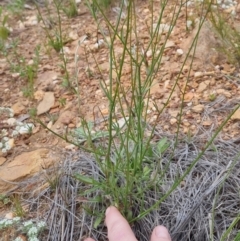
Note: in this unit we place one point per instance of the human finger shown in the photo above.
(89, 239)
(160, 233)
(118, 227)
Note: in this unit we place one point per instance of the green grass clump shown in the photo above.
(128, 159)
(227, 31)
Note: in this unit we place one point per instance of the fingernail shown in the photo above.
(107, 211)
(161, 232)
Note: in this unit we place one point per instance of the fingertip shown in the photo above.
(111, 209)
(117, 225)
(89, 239)
(160, 233)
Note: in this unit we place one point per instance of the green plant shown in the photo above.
(228, 32)
(4, 32)
(18, 208)
(29, 72)
(71, 9)
(94, 5)
(56, 38)
(16, 7)
(86, 133)
(62, 102)
(52, 117)
(31, 229)
(33, 112)
(129, 159)
(5, 199)
(212, 97)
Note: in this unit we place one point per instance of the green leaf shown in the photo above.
(98, 221)
(4, 32)
(84, 179)
(237, 238)
(162, 145)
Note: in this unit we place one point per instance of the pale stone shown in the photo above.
(11, 121)
(198, 108)
(18, 108)
(169, 44)
(179, 52)
(122, 122)
(236, 115)
(46, 104)
(173, 121)
(186, 123)
(149, 53)
(70, 147)
(9, 215)
(203, 86)
(207, 123)
(173, 113)
(198, 74)
(227, 94)
(73, 35)
(104, 111)
(65, 118)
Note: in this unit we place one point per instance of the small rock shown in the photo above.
(9, 215)
(198, 74)
(70, 147)
(15, 75)
(18, 108)
(49, 125)
(65, 118)
(11, 121)
(227, 94)
(166, 127)
(220, 91)
(98, 93)
(188, 97)
(198, 108)
(207, 123)
(169, 44)
(149, 53)
(9, 144)
(203, 86)
(179, 52)
(186, 123)
(236, 115)
(47, 102)
(32, 20)
(30, 62)
(189, 23)
(173, 113)
(71, 125)
(104, 111)
(173, 121)
(121, 122)
(73, 35)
